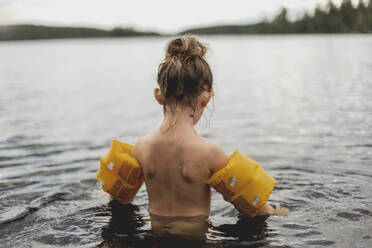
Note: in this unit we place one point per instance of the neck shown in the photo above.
(181, 117)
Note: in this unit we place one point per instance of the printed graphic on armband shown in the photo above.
(124, 193)
(133, 177)
(124, 171)
(226, 192)
(115, 188)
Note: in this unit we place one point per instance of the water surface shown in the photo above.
(299, 105)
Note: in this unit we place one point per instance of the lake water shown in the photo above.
(299, 105)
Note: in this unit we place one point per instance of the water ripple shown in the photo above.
(304, 115)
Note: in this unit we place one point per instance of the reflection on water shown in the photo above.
(123, 226)
(125, 230)
(300, 105)
(247, 229)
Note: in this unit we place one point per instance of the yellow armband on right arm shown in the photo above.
(120, 173)
(244, 183)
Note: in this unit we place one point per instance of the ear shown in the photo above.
(158, 96)
(205, 97)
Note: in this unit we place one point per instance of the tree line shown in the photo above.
(345, 18)
(29, 32)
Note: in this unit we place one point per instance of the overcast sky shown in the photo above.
(158, 15)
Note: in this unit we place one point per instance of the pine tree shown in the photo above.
(334, 19)
(320, 20)
(362, 18)
(361, 7)
(282, 16)
(348, 15)
(332, 9)
(281, 21)
(369, 16)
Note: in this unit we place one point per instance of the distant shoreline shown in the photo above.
(19, 34)
(345, 19)
(35, 32)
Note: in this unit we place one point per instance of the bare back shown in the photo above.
(176, 166)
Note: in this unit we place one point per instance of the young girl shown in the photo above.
(176, 161)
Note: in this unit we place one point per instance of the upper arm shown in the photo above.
(137, 149)
(218, 158)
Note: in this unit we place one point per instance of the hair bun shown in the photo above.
(187, 46)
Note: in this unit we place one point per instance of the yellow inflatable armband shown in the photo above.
(244, 183)
(120, 173)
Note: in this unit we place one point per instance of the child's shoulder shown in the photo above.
(215, 155)
(211, 147)
(138, 147)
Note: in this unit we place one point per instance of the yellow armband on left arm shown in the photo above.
(120, 173)
(244, 183)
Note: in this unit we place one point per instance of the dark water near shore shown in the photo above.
(299, 105)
